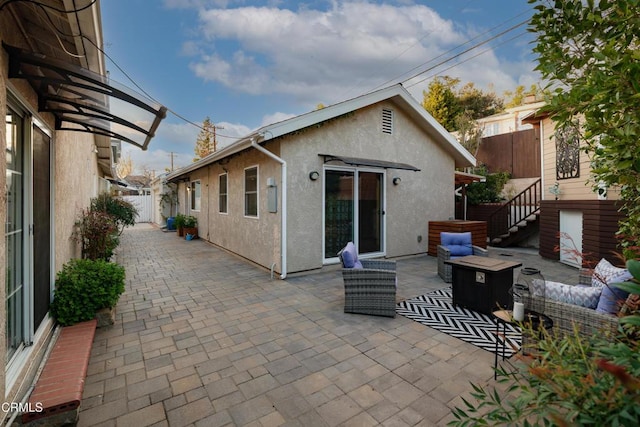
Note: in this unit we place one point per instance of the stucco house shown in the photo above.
(374, 169)
(60, 118)
(573, 216)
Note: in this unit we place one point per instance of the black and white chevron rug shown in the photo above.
(436, 310)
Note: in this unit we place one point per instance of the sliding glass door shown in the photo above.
(353, 210)
(28, 230)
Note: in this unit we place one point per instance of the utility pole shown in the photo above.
(172, 155)
(215, 141)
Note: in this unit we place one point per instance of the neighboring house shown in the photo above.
(374, 169)
(573, 216)
(510, 120)
(58, 155)
(137, 185)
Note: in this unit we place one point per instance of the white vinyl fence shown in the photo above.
(143, 204)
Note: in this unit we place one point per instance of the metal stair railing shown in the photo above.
(515, 211)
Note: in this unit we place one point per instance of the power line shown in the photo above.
(56, 29)
(489, 31)
(466, 60)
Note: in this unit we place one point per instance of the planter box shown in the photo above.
(192, 231)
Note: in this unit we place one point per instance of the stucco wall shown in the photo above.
(76, 182)
(257, 239)
(421, 196)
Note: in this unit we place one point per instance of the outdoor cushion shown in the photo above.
(583, 296)
(605, 274)
(349, 255)
(611, 300)
(459, 244)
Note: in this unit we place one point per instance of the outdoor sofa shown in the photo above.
(591, 306)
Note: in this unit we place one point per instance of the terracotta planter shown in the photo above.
(192, 231)
(180, 231)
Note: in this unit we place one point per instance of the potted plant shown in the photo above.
(169, 198)
(191, 227)
(86, 288)
(179, 223)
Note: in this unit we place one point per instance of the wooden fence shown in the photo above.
(517, 153)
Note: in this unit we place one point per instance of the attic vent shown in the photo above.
(387, 121)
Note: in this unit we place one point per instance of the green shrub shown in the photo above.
(190, 221)
(84, 286)
(180, 220)
(122, 211)
(488, 191)
(97, 232)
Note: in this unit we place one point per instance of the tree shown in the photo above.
(441, 102)
(477, 104)
(446, 103)
(124, 167)
(469, 132)
(206, 142)
(589, 51)
(519, 96)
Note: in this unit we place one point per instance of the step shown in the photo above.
(58, 390)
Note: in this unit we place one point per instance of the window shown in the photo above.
(196, 195)
(387, 121)
(251, 191)
(222, 197)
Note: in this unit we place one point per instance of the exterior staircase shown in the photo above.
(517, 219)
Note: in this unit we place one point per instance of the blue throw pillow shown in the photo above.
(611, 300)
(459, 244)
(349, 255)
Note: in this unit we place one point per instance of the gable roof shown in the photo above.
(396, 93)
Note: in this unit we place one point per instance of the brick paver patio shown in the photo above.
(204, 338)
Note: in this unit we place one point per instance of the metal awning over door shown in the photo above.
(355, 161)
(84, 101)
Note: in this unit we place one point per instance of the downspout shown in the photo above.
(283, 215)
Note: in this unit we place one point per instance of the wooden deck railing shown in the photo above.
(511, 213)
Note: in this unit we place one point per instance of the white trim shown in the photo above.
(244, 192)
(191, 191)
(356, 196)
(226, 174)
(283, 217)
(16, 366)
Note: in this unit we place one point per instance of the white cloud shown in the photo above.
(275, 118)
(314, 55)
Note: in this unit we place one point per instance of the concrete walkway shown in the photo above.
(204, 338)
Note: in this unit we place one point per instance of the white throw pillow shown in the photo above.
(606, 273)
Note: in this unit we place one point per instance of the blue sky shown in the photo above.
(249, 63)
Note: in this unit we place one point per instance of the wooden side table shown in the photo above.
(481, 284)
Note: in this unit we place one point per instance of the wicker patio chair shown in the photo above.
(369, 285)
(455, 245)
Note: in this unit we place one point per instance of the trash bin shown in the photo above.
(171, 223)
